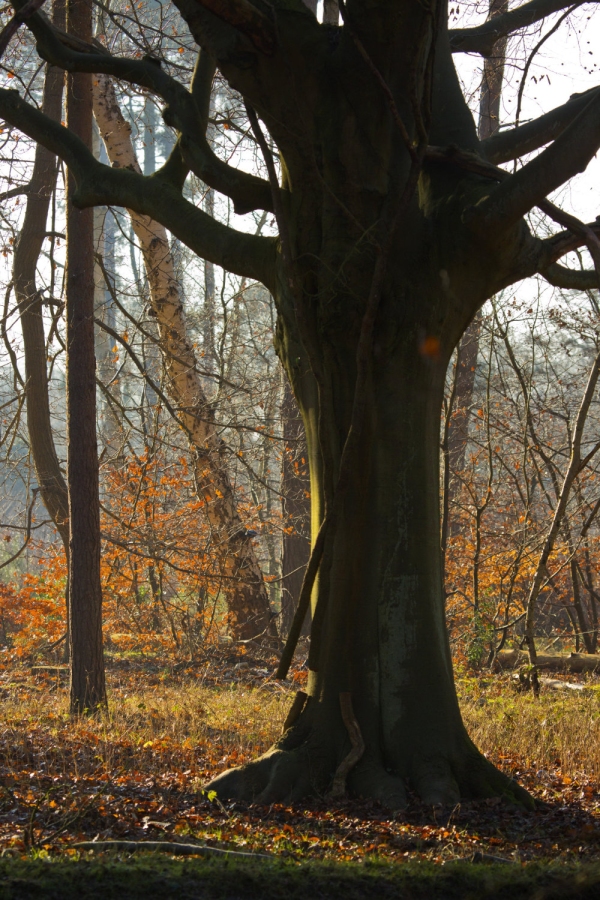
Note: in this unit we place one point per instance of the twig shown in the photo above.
(140, 366)
(27, 534)
(338, 788)
(15, 23)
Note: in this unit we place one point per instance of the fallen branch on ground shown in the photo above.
(167, 847)
(573, 662)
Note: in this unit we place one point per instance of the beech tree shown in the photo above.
(395, 225)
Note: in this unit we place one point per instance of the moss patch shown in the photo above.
(152, 878)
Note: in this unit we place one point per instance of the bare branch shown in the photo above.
(20, 16)
(28, 529)
(564, 242)
(482, 38)
(15, 192)
(570, 279)
(140, 366)
(569, 154)
(248, 192)
(99, 185)
(506, 145)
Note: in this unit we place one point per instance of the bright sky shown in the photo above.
(567, 63)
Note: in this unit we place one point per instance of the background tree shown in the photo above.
(88, 690)
(48, 472)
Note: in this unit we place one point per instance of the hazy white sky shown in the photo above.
(567, 63)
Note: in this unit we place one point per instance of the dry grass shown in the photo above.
(151, 722)
(136, 771)
(560, 730)
(155, 722)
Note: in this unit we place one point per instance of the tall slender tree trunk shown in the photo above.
(104, 250)
(247, 598)
(53, 488)
(468, 349)
(88, 690)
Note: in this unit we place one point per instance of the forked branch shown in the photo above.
(567, 156)
(182, 112)
(516, 142)
(482, 38)
(97, 184)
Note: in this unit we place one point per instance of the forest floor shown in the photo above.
(136, 774)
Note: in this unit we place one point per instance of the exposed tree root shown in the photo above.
(370, 779)
(300, 765)
(338, 789)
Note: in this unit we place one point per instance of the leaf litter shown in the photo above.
(137, 775)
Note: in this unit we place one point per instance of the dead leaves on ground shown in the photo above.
(62, 782)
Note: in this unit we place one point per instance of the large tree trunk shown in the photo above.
(377, 282)
(53, 488)
(386, 250)
(244, 587)
(88, 690)
(382, 636)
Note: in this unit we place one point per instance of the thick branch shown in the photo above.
(248, 192)
(551, 249)
(564, 242)
(571, 279)
(17, 20)
(99, 185)
(506, 145)
(567, 156)
(245, 17)
(482, 38)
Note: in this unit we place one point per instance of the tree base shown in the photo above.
(294, 769)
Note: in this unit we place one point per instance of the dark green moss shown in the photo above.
(151, 878)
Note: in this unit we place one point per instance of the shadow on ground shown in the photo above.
(151, 878)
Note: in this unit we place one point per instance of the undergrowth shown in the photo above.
(137, 772)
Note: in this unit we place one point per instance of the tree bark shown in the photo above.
(87, 691)
(247, 599)
(53, 488)
(381, 636)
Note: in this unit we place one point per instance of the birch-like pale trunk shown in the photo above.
(247, 598)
